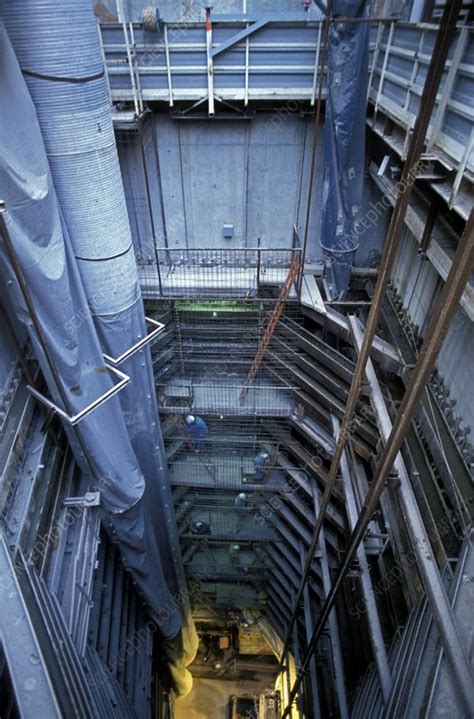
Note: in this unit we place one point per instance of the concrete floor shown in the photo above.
(209, 698)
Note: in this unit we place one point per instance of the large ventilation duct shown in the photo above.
(344, 143)
(58, 50)
(44, 252)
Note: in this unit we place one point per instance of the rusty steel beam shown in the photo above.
(433, 78)
(463, 264)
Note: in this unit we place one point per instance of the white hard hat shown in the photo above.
(190, 419)
(242, 495)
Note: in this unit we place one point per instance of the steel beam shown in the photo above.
(385, 354)
(334, 634)
(26, 665)
(443, 312)
(435, 72)
(426, 560)
(309, 628)
(246, 32)
(297, 656)
(375, 629)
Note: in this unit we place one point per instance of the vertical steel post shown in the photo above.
(334, 635)
(210, 65)
(297, 656)
(121, 15)
(375, 629)
(309, 627)
(168, 66)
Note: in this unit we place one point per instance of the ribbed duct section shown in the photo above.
(58, 49)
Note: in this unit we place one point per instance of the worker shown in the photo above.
(261, 464)
(200, 528)
(240, 506)
(197, 430)
(234, 554)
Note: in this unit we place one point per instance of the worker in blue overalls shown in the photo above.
(261, 464)
(197, 430)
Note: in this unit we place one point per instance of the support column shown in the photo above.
(210, 63)
(335, 637)
(375, 630)
(309, 627)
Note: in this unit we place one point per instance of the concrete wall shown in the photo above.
(253, 174)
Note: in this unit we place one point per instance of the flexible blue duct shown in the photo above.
(344, 143)
(58, 50)
(44, 251)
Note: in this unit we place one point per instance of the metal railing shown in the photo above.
(175, 63)
(216, 273)
(223, 399)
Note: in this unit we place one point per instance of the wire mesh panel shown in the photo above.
(232, 515)
(223, 397)
(214, 273)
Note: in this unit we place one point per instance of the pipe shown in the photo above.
(316, 130)
(344, 141)
(40, 275)
(375, 628)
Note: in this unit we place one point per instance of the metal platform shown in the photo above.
(276, 57)
(222, 397)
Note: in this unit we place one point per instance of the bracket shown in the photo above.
(116, 361)
(234, 39)
(74, 419)
(90, 499)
